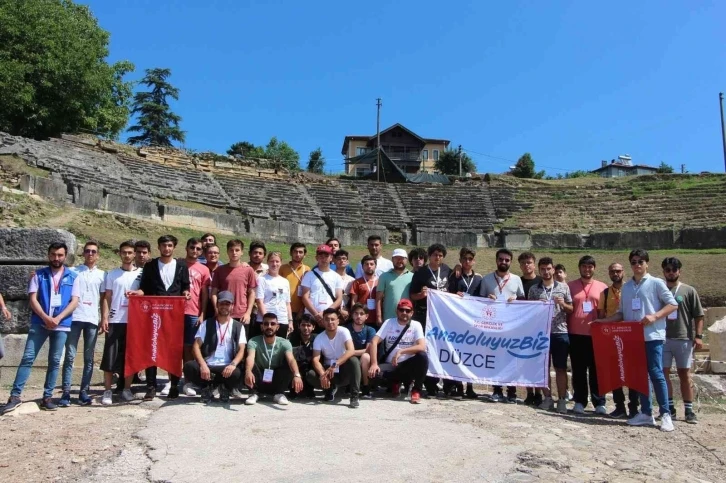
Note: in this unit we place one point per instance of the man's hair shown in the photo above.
(127, 243)
(671, 262)
(258, 244)
(331, 310)
(167, 239)
(142, 244)
(436, 247)
(466, 251)
(91, 243)
(374, 238)
(210, 245)
(193, 241)
(418, 252)
(341, 253)
(333, 239)
(306, 319)
(544, 261)
(587, 260)
(639, 252)
(206, 235)
(559, 266)
(269, 315)
(57, 246)
(504, 251)
(358, 306)
(236, 243)
(367, 258)
(297, 245)
(526, 256)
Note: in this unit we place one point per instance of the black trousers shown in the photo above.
(584, 373)
(193, 374)
(348, 374)
(412, 369)
(281, 379)
(151, 377)
(633, 399)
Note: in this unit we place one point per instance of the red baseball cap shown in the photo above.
(324, 249)
(405, 303)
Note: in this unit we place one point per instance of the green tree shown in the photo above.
(664, 168)
(525, 168)
(316, 161)
(448, 163)
(246, 149)
(54, 76)
(281, 154)
(157, 125)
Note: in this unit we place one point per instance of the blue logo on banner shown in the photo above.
(526, 347)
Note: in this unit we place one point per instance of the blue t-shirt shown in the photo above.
(360, 339)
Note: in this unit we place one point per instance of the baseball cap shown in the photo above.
(324, 249)
(404, 303)
(225, 296)
(400, 252)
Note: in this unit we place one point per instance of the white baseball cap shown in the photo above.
(400, 252)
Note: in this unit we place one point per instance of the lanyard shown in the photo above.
(586, 289)
(637, 286)
(437, 277)
(56, 286)
(501, 285)
(616, 295)
(370, 289)
(221, 334)
(676, 292)
(468, 285)
(548, 293)
(294, 271)
(270, 352)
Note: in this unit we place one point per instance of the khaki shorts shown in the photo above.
(680, 350)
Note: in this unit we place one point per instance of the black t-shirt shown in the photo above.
(465, 283)
(303, 352)
(527, 284)
(425, 277)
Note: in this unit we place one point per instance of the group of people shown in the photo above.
(286, 329)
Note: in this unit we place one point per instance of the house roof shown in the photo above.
(624, 166)
(392, 173)
(347, 139)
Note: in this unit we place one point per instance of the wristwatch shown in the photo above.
(699, 336)
(297, 374)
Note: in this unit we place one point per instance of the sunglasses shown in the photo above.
(637, 262)
(405, 311)
(196, 249)
(90, 252)
(670, 270)
(268, 324)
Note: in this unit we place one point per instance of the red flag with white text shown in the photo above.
(155, 334)
(620, 356)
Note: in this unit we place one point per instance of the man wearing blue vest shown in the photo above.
(54, 295)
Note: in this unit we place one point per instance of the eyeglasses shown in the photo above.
(637, 262)
(670, 270)
(212, 253)
(405, 311)
(196, 249)
(504, 260)
(268, 324)
(616, 271)
(90, 252)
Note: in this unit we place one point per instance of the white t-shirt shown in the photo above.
(382, 266)
(331, 350)
(91, 283)
(167, 272)
(119, 281)
(318, 295)
(391, 329)
(275, 294)
(224, 353)
(347, 283)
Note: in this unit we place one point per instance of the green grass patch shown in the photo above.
(17, 165)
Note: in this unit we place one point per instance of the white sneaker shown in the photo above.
(666, 423)
(189, 390)
(127, 395)
(252, 399)
(601, 410)
(578, 409)
(562, 406)
(568, 396)
(167, 387)
(142, 376)
(280, 399)
(107, 398)
(548, 404)
(236, 394)
(215, 392)
(641, 419)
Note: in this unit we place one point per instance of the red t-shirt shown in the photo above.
(199, 279)
(582, 293)
(236, 280)
(365, 291)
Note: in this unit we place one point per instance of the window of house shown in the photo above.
(425, 154)
(436, 154)
(360, 150)
(362, 171)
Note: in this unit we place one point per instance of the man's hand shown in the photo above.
(245, 319)
(394, 361)
(698, 344)
(319, 319)
(343, 314)
(133, 293)
(297, 383)
(492, 296)
(324, 381)
(104, 326)
(204, 372)
(460, 294)
(199, 319)
(559, 301)
(373, 370)
(648, 319)
(228, 371)
(187, 295)
(289, 328)
(7, 314)
(249, 379)
(512, 298)
(425, 292)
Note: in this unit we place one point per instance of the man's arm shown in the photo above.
(249, 364)
(185, 284)
(250, 304)
(105, 309)
(373, 348)
(297, 382)
(68, 310)
(197, 353)
(317, 366)
(215, 291)
(235, 362)
(349, 352)
(203, 301)
(338, 299)
(35, 307)
(379, 306)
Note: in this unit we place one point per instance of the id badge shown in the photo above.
(371, 304)
(221, 352)
(587, 307)
(673, 315)
(337, 368)
(636, 304)
(267, 375)
(55, 300)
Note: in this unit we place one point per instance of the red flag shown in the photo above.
(620, 356)
(155, 334)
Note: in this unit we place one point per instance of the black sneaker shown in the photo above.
(13, 403)
(47, 404)
(529, 400)
(365, 392)
(354, 402)
(330, 394)
(538, 399)
(223, 394)
(174, 392)
(310, 393)
(470, 394)
(84, 399)
(458, 393)
(691, 417)
(672, 410)
(150, 394)
(618, 413)
(511, 399)
(207, 395)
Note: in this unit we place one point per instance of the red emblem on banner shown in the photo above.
(620, 356)
(155, 335)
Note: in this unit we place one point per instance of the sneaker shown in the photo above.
(529, 400)
(415, 397)
(206, 395)
(141, 375)
(281, 399)
(189, 390)
(578, 409)
(166, 389)
(365, 392)
(496, 397)
(13, 403)
(127, 395)
(47, 404)
(641, 419)
(396, 389)
(568, 396)
(547, 405)
(470, 394)
(601, 410)
(672, 410)
(354, 402)
(511, 399)
(251, 399)
(667, 423)
(223, 394)
(65, 400)
(538, 399)
(236, 393)
(84, 399)
(309, 393)
(562, 406)
(458, 393)
(618, 413)
(150, 394)
(174, 392)
(330, 394)
(691, 417)
(107, 398)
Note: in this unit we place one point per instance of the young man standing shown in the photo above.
(240, 279)
(341, 267)
(258, 252)
(54, 295)
(551, 290)
(85, 321)
(684, 331)
(207, 239)
(322, 288)
(648, 299)
(503, 286)
(294, 271)
(196, 305)
(418, 259)
(142, 253)
(211, 253)
(528, 266)
(393, 286)
(560, 273)
(363, 290)
(374, 249)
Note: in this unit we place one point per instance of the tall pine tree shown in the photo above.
(156, 124)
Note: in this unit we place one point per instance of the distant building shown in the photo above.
(409, 151)
(623, 166)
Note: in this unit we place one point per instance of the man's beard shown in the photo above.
(503, 268)
(672, 278)
(56, 264)
(270, 332)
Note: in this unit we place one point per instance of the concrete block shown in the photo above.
(30, 245)
(286, 231)
(130, 206)
(350, 234)
(717, 345)
(14, 280)
(517, 240)
(453, 239)
(703, 237)
(89, 198)
(20, 317)
(51, 188)
(557, 240)
(649, 240)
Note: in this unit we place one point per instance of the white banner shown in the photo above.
(475, 339)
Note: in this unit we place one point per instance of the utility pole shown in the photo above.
(378, 138)
(460, 171)
(723, 129)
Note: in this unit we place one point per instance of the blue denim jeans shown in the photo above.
(90, 333)
(654, 357)
(37, 336)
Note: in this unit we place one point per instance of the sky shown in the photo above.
(571, 82)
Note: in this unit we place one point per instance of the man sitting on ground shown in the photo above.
(270, 366)
(302, 349)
